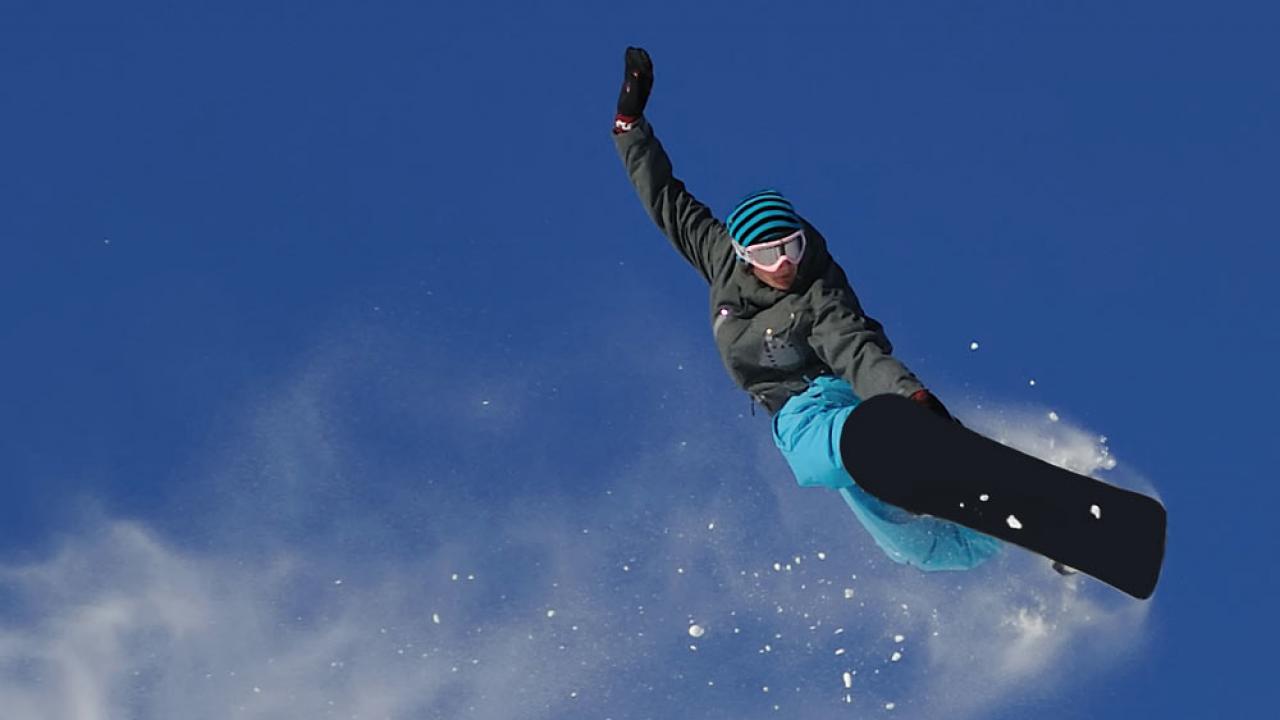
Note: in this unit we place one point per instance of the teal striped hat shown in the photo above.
(762, 216)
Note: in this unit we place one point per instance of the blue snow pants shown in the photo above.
(807, 431)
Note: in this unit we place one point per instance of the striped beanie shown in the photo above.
(761, 217)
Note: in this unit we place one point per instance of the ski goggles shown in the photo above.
(770, 256)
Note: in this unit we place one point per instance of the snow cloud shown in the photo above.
(364, 549)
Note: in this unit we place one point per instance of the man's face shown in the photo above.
(779, 279)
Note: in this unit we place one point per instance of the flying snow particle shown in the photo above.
(984, 497)
(848, 593)
(711, 526)
(848, 680)
(898, 638)
(696, 631)
(839, 651)
(1096, 512)
(895, 657)
(973, 345)
(889, 706)
(1014, 523)
(777, 567)
(435, 618)
(1032, 383)
(1053, 416)
(822, 556)
(551, 613)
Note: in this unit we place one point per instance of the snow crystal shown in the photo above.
(898, 638)
(889, 706)
(1032, 383)
(435, 618)
(848, 680)
(711, 526)
(696, 631)
(973, 345)
(822, 556)
(337, 582)
(848, 593)
(551, 613)
(1014, 523)
(984, 497)
(839, 651)
(895, 657)
(1096, 512)
(1053, 416)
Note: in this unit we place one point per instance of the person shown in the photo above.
(790, 331)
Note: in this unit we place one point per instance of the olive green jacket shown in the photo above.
(772, 342)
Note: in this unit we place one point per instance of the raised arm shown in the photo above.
(687, 223)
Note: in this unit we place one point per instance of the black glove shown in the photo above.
(930, 401)
(636, 84)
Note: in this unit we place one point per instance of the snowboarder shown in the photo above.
(790, 331)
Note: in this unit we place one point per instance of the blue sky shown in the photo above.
(344, 375)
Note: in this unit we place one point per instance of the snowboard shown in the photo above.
(907, 456)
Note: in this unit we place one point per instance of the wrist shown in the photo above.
(623, 123)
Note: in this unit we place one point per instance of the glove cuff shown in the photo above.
(623, 123)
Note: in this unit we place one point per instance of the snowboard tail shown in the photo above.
(907, 456)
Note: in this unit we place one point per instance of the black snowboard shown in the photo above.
(909, 457)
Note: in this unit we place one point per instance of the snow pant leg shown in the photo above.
(807, 431)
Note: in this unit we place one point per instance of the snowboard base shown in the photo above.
(907, 456)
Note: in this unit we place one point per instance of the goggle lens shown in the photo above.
(769, 256)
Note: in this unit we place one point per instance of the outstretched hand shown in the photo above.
(636, 84)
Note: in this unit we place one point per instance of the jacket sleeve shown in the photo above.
(687, 223)
(856, 348)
